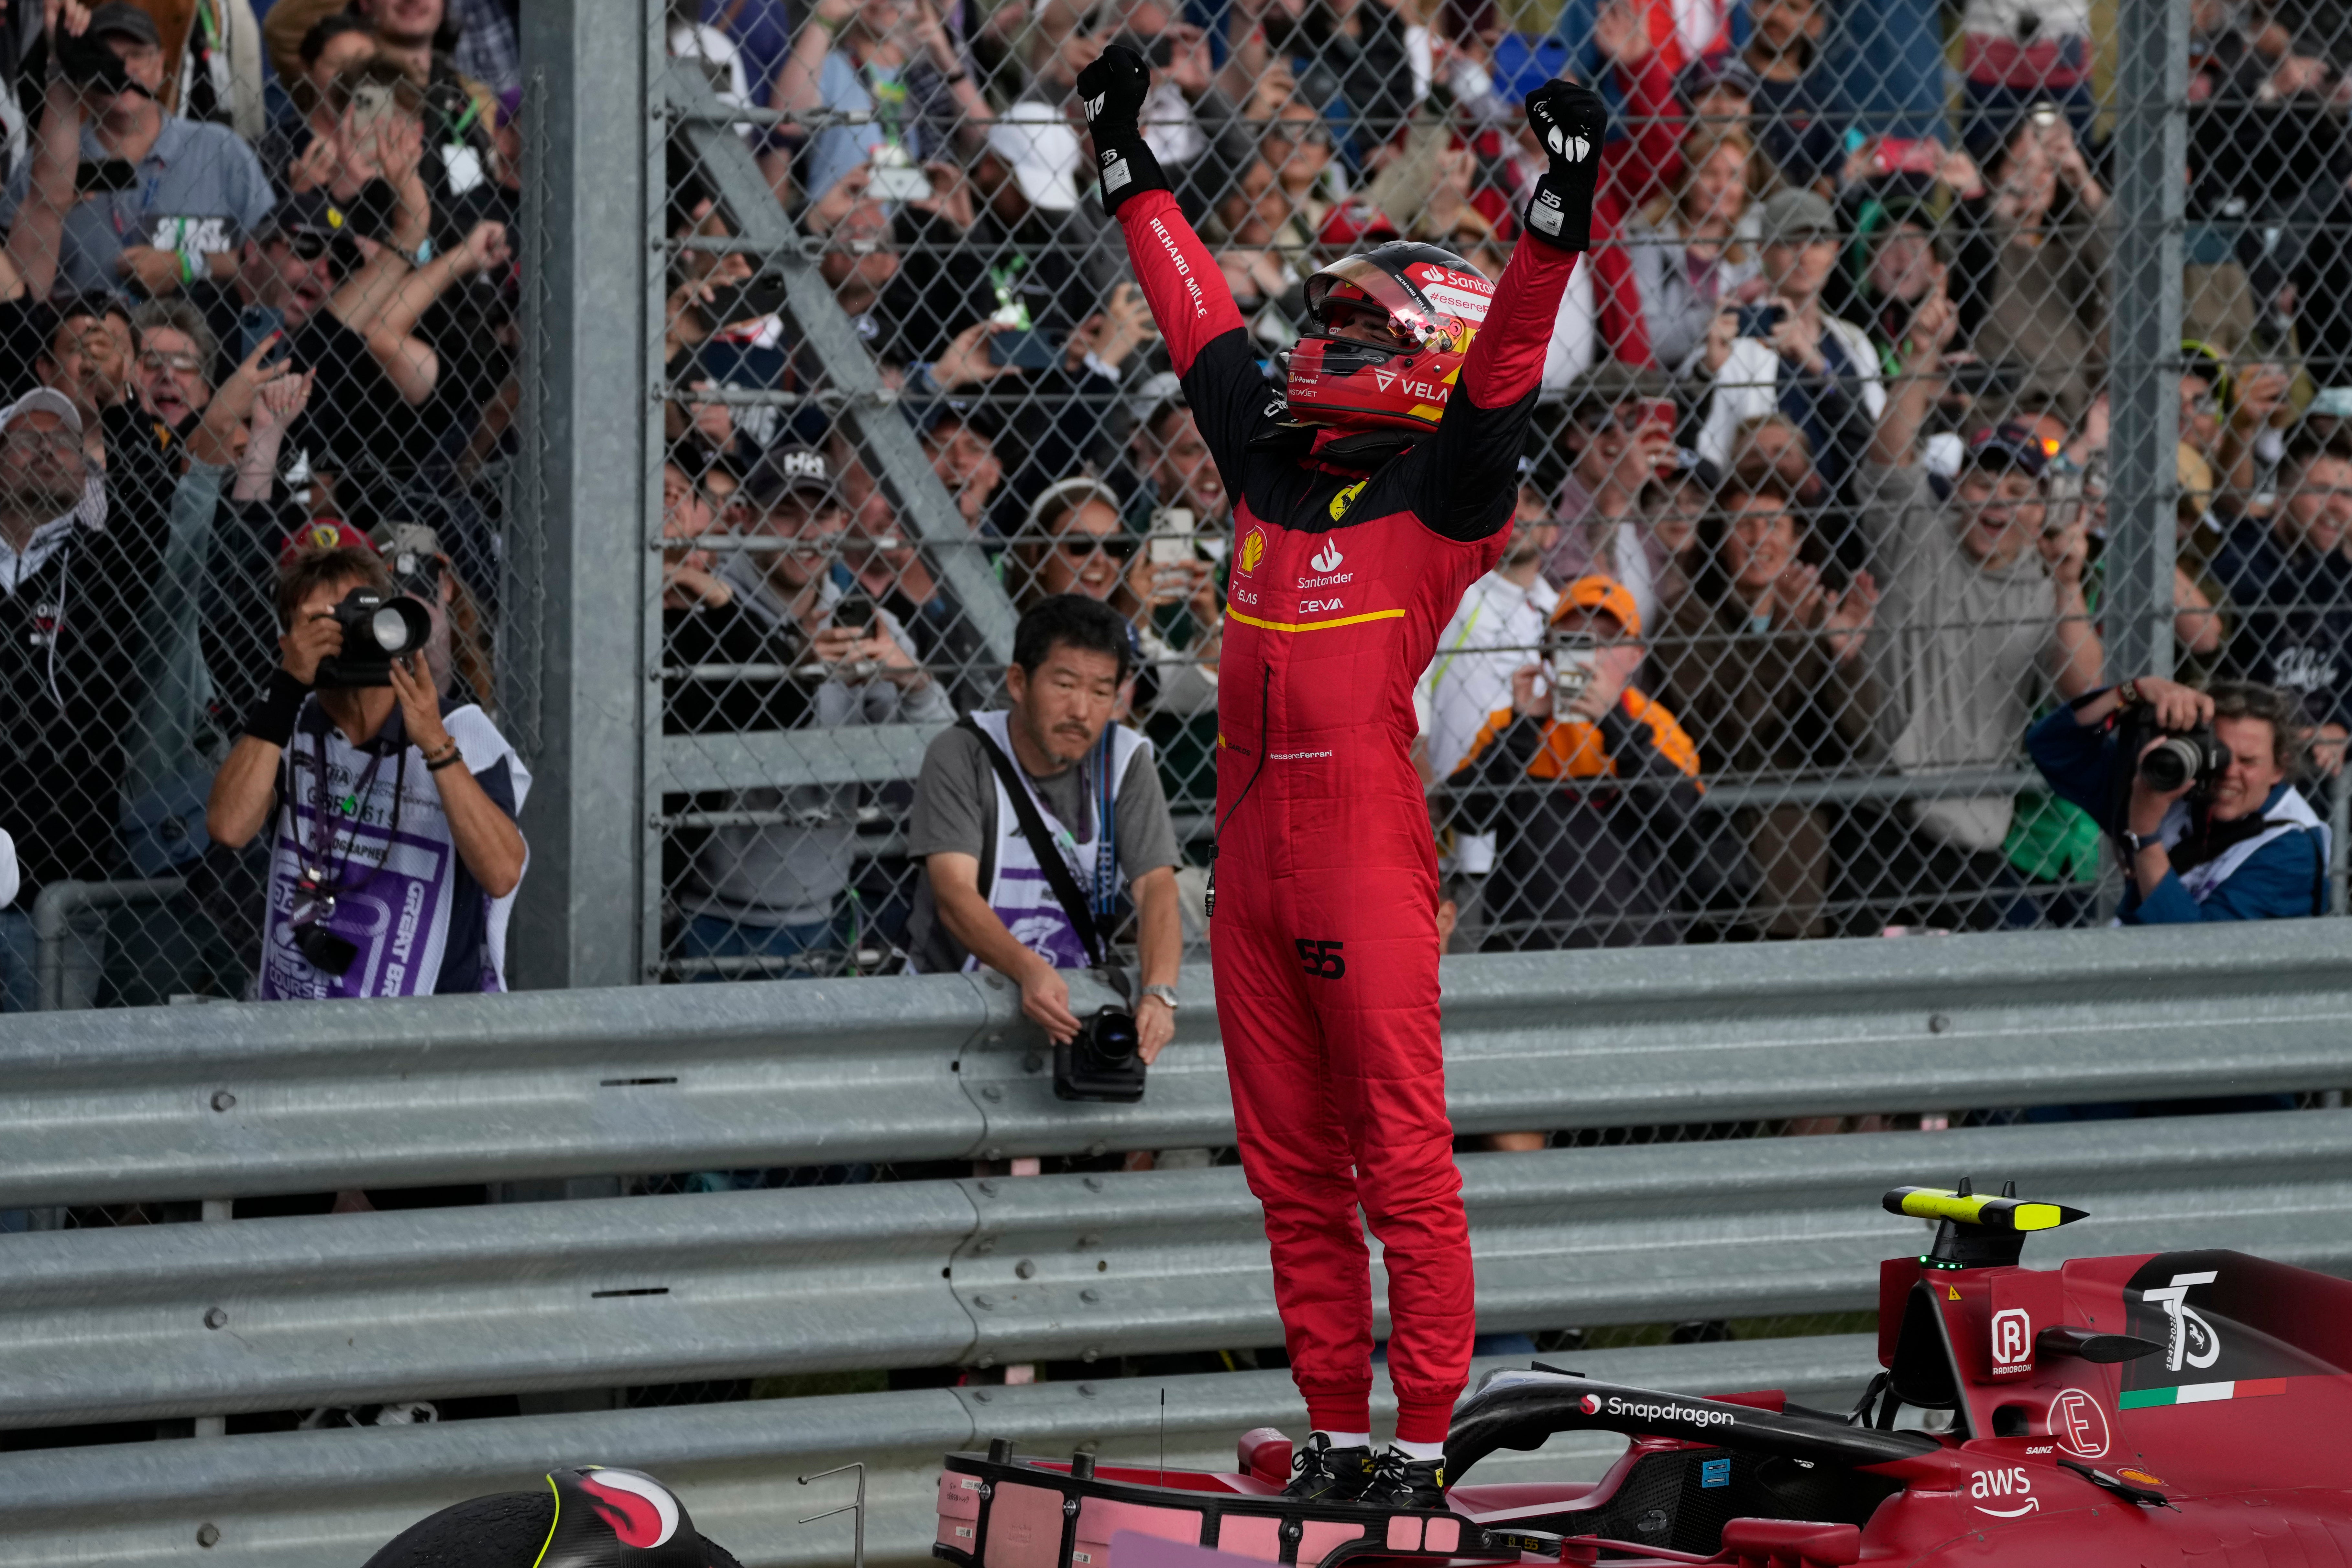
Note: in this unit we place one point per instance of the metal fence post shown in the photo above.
(2151, 149)
(583, 447)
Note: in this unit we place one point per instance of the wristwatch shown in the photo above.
(2136, 842)
(1166, 993)
(2127, 694)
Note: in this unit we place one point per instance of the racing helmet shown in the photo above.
(1430, 303)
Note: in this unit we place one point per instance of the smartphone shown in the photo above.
(1571, 670)
(898, 182)
(256, 322)
(1911, 155)
(111, 174)
(856, 613)
(1023, 351)
(1655, 410)
(1758, 320)
(1172, 541)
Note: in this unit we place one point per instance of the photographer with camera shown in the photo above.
(2195, 789)
(1028, 884)
(396, 856)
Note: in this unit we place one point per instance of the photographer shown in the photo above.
(985, 896)
(396, 856)
(2208, 824)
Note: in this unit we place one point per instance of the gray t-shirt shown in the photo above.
(955, 813)
(199, 189)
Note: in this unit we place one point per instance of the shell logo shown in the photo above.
(1252, 549)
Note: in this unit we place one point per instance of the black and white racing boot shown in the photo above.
(1321, 1473)
(1403, 1483)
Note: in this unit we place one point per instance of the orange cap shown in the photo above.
(1596, 591)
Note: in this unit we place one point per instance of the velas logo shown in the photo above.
(1589, 1404)
(1252, 549)
(640, 1510)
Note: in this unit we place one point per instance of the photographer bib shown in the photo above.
(1016, 888)
(363, 870)
(2289, 814)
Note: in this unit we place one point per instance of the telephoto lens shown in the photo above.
(377, 628)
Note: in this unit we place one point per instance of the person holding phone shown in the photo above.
(1788, 353)
(1578, 866)
(157, 202)
(1369, 493)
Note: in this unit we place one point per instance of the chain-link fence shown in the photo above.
(1809, 530)
(258, 299)
(1810, 534)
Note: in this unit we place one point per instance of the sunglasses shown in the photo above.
(155, 360)
(1078, 546)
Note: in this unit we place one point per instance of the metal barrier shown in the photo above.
(55, 908)
(230, 1101)
(305, 1499)
(271, 1315)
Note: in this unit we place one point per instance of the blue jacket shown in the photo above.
(2295, 629)
(2283, 879)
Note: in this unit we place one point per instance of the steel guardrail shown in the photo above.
(235, 1100)
(188, 1320)
(328, 1498)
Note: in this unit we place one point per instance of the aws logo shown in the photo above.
(2011, 1484)
(1340, 504)
(1254, 545)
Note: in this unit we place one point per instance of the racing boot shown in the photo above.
(1402, 1482)
(1321, 1473)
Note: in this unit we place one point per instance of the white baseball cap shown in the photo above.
(1042, 150)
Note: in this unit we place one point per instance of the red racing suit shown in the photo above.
(1325, 931)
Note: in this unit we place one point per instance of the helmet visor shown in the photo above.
(1433, 306)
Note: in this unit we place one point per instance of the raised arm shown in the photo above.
(1465, 478)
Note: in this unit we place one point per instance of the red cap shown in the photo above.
(1350, 224)
(324, 534)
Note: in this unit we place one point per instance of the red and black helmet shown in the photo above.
(1433, 303)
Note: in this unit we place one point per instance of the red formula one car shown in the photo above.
(2179, 1408)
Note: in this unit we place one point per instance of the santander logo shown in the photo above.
(640, 1510)
(1327, 558)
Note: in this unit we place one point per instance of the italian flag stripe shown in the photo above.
(2201, 1392)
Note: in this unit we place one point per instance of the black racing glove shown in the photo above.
(1112, 91)
(1570, 121)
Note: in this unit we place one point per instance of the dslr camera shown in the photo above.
(1101, 1061)
(377, 628)
(2181, 757)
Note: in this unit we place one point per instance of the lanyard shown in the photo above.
(320, 867)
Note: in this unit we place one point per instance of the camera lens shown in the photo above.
(390, 631)
(1110, 1038)
(2170, 765)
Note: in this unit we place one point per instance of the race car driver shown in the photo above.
(1368, 495)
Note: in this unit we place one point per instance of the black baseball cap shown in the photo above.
(305, 211)
(785, 468)
(122, 21)
(2008, 444)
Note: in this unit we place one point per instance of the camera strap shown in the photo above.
(1045, 852)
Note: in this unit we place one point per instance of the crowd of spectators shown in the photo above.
(1813, 525)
